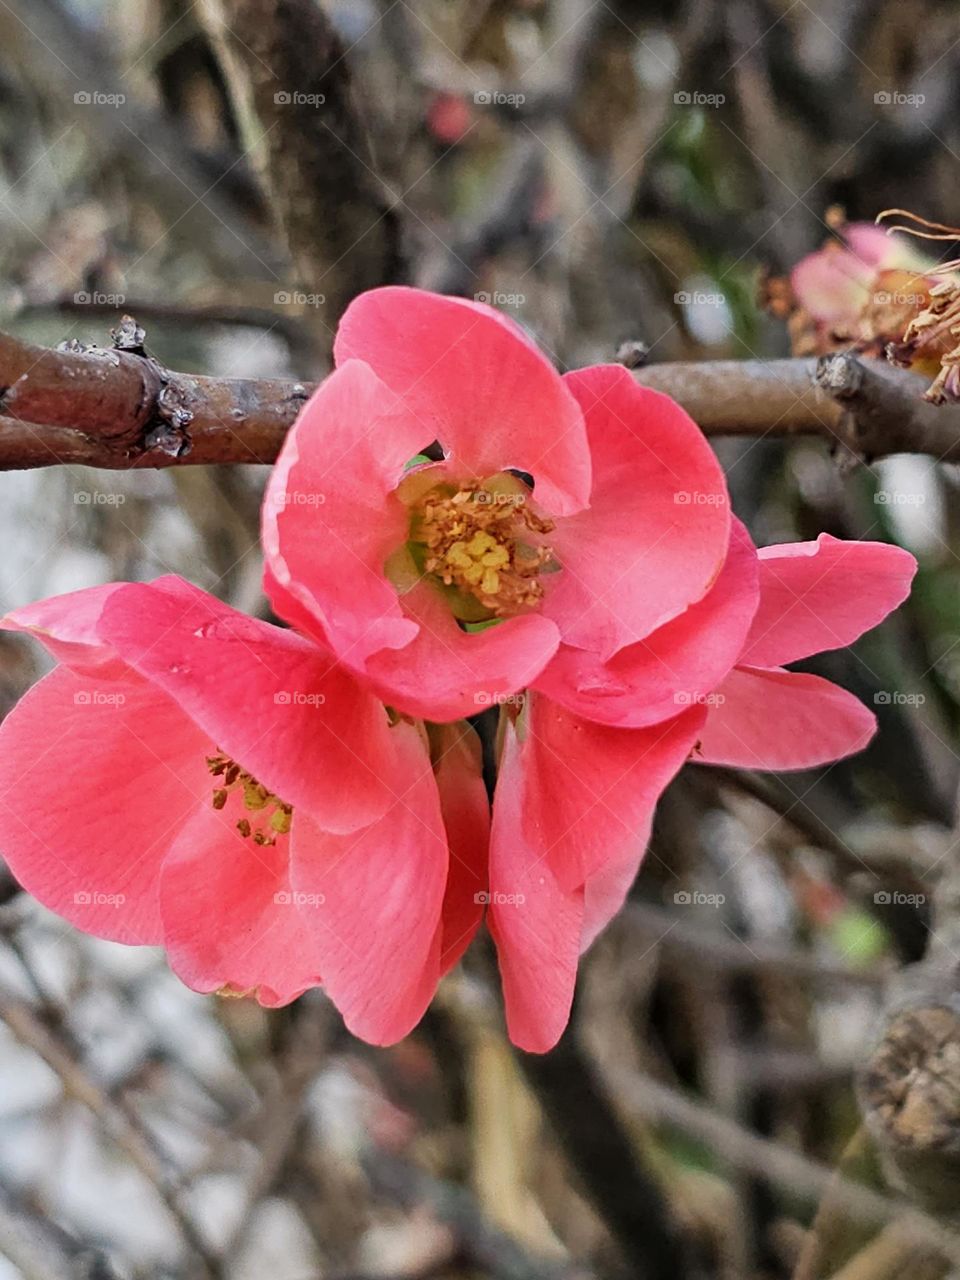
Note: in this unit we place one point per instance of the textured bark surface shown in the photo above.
(288, 75)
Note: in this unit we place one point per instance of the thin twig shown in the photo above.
(117, 1123)
(776, 1164)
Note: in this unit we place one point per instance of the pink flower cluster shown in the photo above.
(451, 526)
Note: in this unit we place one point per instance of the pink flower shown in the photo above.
(240, 794)
(575, 798)
(617, 590)
(451, 584)
(192, 778)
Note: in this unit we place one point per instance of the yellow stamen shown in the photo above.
(473, 541)
(255, 799)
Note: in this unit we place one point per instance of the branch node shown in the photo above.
(909, 1092)
(129, 336)
(840, 374)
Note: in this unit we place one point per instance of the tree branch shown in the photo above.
(289, 79)
(120, 408)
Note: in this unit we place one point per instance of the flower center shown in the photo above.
(274, 816)
(484, 542)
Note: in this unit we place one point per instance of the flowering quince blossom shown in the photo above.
(451, 526)
(862, 292)
(194, 778)
(570, 537)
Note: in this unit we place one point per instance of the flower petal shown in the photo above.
(230, 919)
(68, 627)
(536, 925)
(676, 666)
(606, 892)
(274, 702)
(782, 720)
(96, 780)
(589, 788)
(469, 378)
(380, 892)
(331, 517)
(823, 595)
(447, 673)
(656, 533)
(833, 284)
(571, 818)
(466, 818)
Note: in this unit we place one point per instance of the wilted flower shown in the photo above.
(859, 291)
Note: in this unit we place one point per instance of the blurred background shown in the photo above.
(230, 172)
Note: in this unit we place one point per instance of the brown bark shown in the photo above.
(120, 408)
(288, 76)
